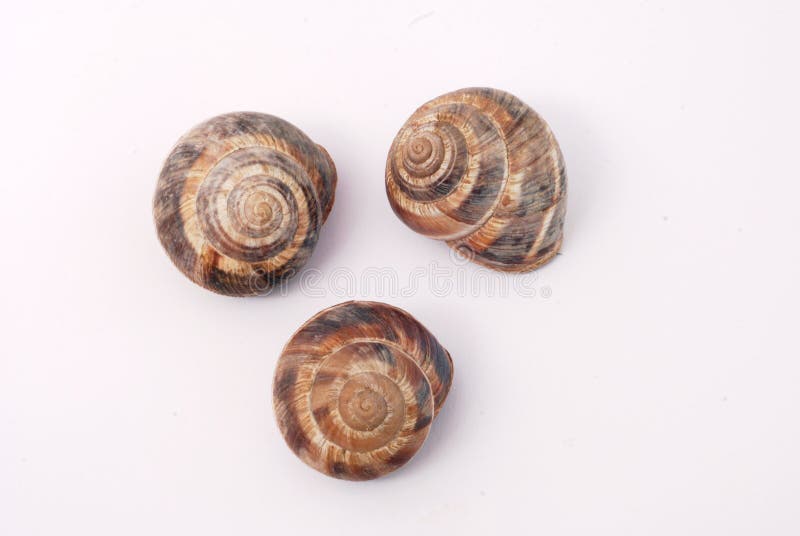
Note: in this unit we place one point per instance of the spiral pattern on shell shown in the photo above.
(357, 387)
(240, 202)
(481, 170)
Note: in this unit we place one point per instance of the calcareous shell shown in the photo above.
(241, 200)
(357, 387)
(481, 170)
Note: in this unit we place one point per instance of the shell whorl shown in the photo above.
(357, 387)
(240, 202)
(481, 170)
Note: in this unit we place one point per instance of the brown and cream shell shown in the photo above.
(357, 387)
(481, 170)
(241, 200)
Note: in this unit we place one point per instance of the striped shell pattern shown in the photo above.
(241, 200)
(481, 170)
(357, 387)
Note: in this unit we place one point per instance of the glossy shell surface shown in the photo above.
(357, 388)
(479, 169)
(240, 202)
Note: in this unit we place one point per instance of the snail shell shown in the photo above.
(357, 387)
(240, 202)
(481, 170)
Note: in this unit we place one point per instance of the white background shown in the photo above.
(655, 391)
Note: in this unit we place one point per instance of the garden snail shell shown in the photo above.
(357, 387)
(241, 200)
(481, 170)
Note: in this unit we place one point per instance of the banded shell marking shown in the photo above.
(240, 202)
(479, 169)
(357, 387)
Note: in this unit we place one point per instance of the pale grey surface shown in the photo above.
(654, 392)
